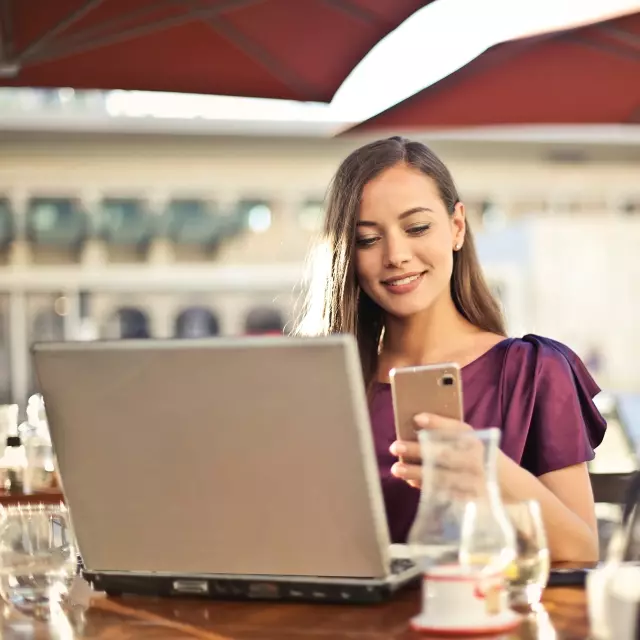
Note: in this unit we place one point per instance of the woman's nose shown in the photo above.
(398, 252)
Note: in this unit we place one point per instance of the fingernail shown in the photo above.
(398, 470)
(422, 419)
(398, 448)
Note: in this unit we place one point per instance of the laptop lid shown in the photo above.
(218, 456)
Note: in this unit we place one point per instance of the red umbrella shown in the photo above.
(588, 75)
(291, 49)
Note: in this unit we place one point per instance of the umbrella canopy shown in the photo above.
(289, 49)
(587, 75)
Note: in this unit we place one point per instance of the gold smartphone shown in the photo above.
(434, 388)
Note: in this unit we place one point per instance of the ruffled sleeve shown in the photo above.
(549, 418)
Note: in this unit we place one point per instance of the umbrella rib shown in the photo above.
(606, 47)
(102, 39)
(360, 13)
(107, 28)
(60, 27)
(119, 24)
(621, 35)
(255, 51)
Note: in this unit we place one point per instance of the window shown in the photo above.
(129, 323)
(255, 215)
(6, 222)
(264, 320)
(259, 218)
(125, 221)
(196, 322)
(193, 222)
(55, 221)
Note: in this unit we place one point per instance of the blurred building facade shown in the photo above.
(126, 234)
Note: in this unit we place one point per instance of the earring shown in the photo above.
(457, 247)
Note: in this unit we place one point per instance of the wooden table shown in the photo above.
(52, 496)
(138, 618)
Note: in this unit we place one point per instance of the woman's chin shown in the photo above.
(405, 310)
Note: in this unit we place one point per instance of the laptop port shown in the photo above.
(191, 586)
(264, 590)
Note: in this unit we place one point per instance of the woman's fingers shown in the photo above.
(410, 473)
(465, 456)
(458, 469)
(460, 486)
(406, 450)
(432, 421)
(456, 464)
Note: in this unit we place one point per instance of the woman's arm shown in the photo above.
(565, 495)
(566, 502)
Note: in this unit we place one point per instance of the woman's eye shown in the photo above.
(418, 230)
(366, 242)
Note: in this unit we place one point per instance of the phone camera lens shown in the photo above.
(447, 380)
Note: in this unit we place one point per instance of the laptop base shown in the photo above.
(221, 588)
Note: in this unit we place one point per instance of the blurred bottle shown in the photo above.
(39, 473)
(8, 421)
(12, 462)
(12, 466)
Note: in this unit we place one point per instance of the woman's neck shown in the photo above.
(435, 335)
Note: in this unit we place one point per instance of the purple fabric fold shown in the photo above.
(535, 390)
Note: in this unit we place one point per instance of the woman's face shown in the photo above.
(405, 241)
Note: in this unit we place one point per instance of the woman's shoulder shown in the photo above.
(542, 357)
(547, 383)
(533, 345)
(530, 353)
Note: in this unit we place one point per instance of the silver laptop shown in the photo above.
(234, 468)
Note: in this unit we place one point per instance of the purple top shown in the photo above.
(536, 390)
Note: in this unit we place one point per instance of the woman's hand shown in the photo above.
(458, 465)
(564, 495)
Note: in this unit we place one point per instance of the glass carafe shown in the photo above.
(461, 534)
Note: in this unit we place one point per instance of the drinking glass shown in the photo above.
(38, 557)
(527, 576)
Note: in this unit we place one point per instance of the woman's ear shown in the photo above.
(458, 226)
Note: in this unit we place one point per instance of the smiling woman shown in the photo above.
(402, 275)
(390, 200)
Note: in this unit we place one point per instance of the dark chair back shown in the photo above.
(611, 488)
(622, 490)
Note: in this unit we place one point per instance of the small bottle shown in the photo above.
(34, 432)
(8, 421)
(39, 473)
(13, 464)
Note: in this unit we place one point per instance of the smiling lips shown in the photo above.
(405, 283)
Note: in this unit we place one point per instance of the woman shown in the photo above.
(403, 276)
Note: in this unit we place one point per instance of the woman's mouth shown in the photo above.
(404, 283)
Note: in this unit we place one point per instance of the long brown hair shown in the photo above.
(336, 303)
